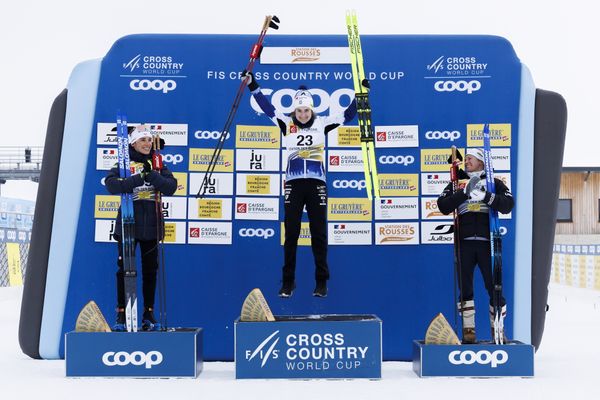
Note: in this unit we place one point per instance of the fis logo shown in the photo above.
(436, 65)
(265, 350)
(133, 64)
(458, 86)
(482, 357)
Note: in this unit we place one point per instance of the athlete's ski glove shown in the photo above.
(475, 190)
(472, 185)
(250, 81)
(366, 84)
(147, 170)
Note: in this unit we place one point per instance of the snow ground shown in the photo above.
(563, 369)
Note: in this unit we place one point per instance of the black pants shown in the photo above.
(149, 250)
(472, 253)
(313, 194)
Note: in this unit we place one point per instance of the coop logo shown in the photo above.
(403, 160)
(159, 85)
(457, 86)
(257, 232)
(282, 99)
(137, 358)
(442, 135)
(482, 357)
(173, 158)
(265, 350)
(209, 135)
(349, 184)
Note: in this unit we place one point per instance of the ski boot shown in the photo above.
(469, 336)
(119, 325)
(320, 289)
(287, 289)
(149, 323)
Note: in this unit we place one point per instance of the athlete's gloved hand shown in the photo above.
(366, 84)
(146, 170)
(250, 81)
(478, 193)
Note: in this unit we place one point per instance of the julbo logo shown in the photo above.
(136, 358)
(349, 184)
(156, 84)
(259, 232)
(459, 86)
(482, 357)
(404, 160)
(447, 135)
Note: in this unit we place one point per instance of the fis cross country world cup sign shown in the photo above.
(320, 346)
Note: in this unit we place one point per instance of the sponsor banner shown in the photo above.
(344, 136)
(349, 233)
(172, 134)
(106, 206)
(501, 159)
(436, 159)
(175, 232)
(218, 185)
(257, 208)
(13, 263)
(200, 160)
(174, 207)
(344, 161)
(210, 135)
(393, 161)
(398, 185)
(262, 137)
(429, 209)
(397, 136)
(397, 233)
(316, 346)
(438, 232)
(257, 160)
(305, 55)
(349, 209)
(513, 359)
(500, 135)
(257, 184)
(181, 183)
(397, 208)
(208, 232)
(209, 208)
(106, 158)
(345, 185)
(255, 232)
(304, 239)
(443, 135)
(166, 354)
(433, 184)
(104, 230)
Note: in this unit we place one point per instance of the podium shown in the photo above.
(309, 347)
(474, 360)
(172, 353)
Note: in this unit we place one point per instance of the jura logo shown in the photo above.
(265, 350)
(446, 135)
(258, 232)
(156, 84)
(404, 160)
(458, 86)
(349, 184)
(137, 358)
(482, 357)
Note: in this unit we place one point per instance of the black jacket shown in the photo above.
(476, 224)
(144, 206)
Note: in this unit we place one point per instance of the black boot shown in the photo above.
(287, 289)
(320, 289)
(119, 325)
(148, 321)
